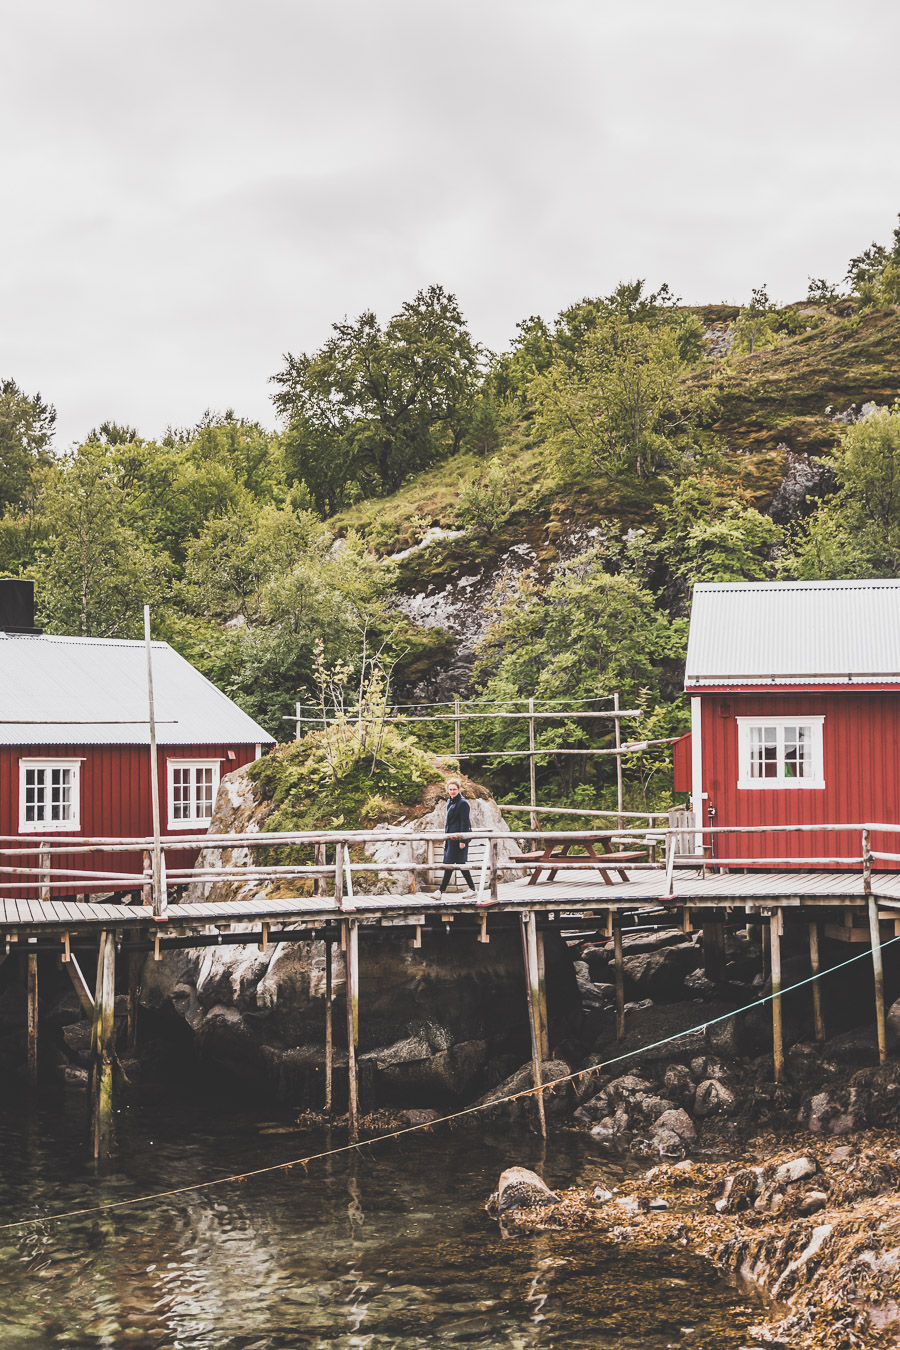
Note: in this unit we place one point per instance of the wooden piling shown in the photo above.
(32, 1019)
(620, 980)
(532, 989)
(714, 949)
(102, 1049)
(543, 1020)
(777, 1024)
(878, 972)
(135, 966)
(351, 931)
(329, 1031)
(815, 969)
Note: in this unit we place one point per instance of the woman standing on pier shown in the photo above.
(456, 848)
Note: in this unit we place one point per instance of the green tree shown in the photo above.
(27, 424)
(856, 531)
(375, 403)
(623, 408)
(756, 324)
(93, 571)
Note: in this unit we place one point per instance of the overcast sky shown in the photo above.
(193, 187)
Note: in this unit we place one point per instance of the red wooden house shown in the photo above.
(75, 738)
(795, 713)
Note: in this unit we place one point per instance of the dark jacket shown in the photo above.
(459, 821)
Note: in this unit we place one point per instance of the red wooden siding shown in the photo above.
(861, 754)
(682, 764)
(115, 801)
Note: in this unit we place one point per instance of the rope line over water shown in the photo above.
(595, 1069)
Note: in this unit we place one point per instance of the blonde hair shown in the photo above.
(452, 780)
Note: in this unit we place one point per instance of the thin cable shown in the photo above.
(442, 1120)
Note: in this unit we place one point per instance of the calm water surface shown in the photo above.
(388, 1250)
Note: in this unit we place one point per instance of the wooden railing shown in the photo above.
(28, 864)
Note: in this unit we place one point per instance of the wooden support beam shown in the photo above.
(81, 987)
(815, 968)
(714, 949)
(878, 972)
(543, 1020)
(417, 940)
(135, 966)
(620, 980)
(351, 940)
(532, 989)
(329, 1031)
(775, 928)
(263, 944)
(483, 935)
(103, 1048)
(32, 1019)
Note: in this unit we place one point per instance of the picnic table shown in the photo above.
(555, 856)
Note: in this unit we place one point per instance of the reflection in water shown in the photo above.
(384, 1250)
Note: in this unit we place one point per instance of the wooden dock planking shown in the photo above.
(584, 891)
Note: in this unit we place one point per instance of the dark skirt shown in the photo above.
(456, 851)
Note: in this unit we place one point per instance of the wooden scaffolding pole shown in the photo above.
(102, 1049)
(32, 1019)
(775, 930)
(532, 989)
(532, 775)
(815, 969)
(351, 952)
(159, 885)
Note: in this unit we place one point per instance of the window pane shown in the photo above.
(763, 752)
(204, 793)
(34, 794)
(181, 794)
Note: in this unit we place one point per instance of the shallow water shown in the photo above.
(386, 1250)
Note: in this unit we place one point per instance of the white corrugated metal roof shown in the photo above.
(84, 680)
(817, 632)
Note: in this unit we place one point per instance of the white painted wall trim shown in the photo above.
(697, 768)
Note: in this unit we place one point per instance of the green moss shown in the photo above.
(341, 779)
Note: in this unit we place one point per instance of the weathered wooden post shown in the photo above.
(319, 886)
(543, 1019)
(456, 727)
(620, 791)
(492, 845)
(875, 939)
(329, 1030)
(45, 870)
(135, 965)
(339, 874)
(351, 944)
(620, 978)
(818, 1014)
(102, 1048)
(713, 949)
(32, 1019)
(532, 988)
(531, 768)
(775, 931)
(160, 899)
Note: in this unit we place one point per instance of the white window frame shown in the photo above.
(192, 822)
(780, 782)
(51, 826)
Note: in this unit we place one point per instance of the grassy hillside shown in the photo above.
(765, 403)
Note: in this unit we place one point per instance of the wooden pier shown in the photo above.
(855, 903)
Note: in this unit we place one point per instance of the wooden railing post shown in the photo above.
(875, 940)
(44, 865)
(494, 869)
(339, 874)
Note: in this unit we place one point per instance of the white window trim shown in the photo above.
(817, 781)
(51, 826)
(194, 823)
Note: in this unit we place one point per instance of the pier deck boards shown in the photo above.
(581, 892)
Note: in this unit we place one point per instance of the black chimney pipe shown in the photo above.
(17, 606)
